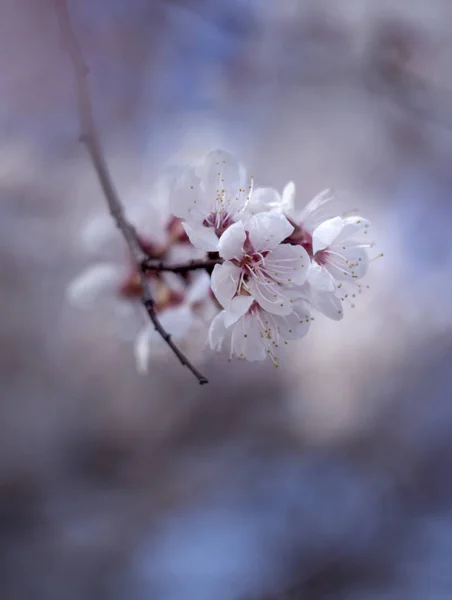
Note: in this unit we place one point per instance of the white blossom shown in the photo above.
(210, 198)
(337, 246)
(182, 303)
(339, 253)
(277, 263)
(322, 207)
(253, 333)
(257, 263)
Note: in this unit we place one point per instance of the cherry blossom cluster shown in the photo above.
(279, 264)
(273, 268)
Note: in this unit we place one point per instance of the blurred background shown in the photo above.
(327, 478)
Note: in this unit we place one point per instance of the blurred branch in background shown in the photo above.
(91, 139)
(388, 70)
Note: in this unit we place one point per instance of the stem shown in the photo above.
(207, 264)
(90, 138)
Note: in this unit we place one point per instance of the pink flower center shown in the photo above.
(300, 237)
(252, 263)
(165, 297)
(176, 231)
(220, 222)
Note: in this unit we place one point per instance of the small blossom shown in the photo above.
(278, 263)
(258, 264)
(269, 199)
(255, 334)
(321, 208)
(210, 198)
(181, 302)
(337, 247)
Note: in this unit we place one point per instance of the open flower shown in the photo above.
(321, 208)
(336, 245)
(256, 263)
(339, 248)
(254, 333)
(210, 198)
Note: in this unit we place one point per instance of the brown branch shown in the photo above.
(181, 268)
(91, 139)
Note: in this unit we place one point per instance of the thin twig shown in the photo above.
(91, 139)
(207, 264)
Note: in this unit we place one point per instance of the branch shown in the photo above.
(90, 137)
(207, 264)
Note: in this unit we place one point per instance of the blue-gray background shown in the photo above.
(327, 478)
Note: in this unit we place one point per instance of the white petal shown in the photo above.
(94, 284)
(300, 319)
(187, 201)
(271, 297)
(149, 221)
(288, 264)
(288, 198)
(220, 170)
(293, 326)
(173, 281)
(217, 331)
(359, 260)
(353, 226)
(268, 230)
(246, 340)
(142, 349)
(263, 199)
(319, 278)
(97, 233)
(178, 253)
(353, 262)
(177, 321)
(321, 208)
(232, 241)
(328, 304)
(326, 233)
(199, 288)
(237, 308)
(224, 282)
(203, 238)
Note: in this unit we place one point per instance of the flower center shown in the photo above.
(249, 262)
(300, 237)
(164, 296)
(219, 221)
(321, 257)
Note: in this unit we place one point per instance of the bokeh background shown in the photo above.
(329, 478)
